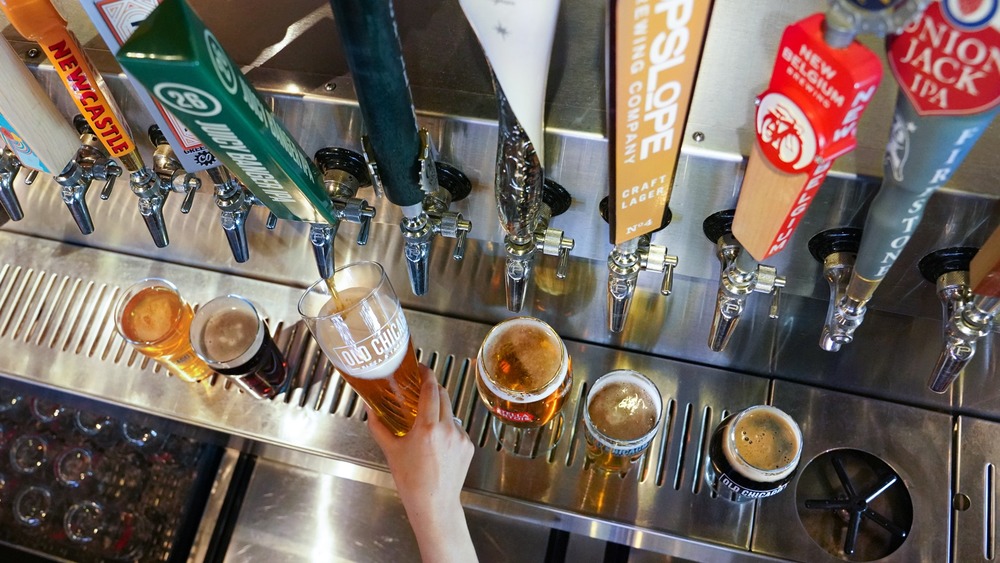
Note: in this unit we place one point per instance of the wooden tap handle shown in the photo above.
(805, 119)
(984, 272)
(41, 137)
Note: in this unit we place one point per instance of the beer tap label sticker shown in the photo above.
(19, 147)
(947, 62)
(181, 62)
(656, 50)
(116, 20)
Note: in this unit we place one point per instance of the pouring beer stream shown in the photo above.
(947, 65)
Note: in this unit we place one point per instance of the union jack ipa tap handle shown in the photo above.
(39, 21)
(805, 119)
(947, 64)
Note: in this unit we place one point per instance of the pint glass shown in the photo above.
(753, 454)
(154, 319)
(621, 418)
(361, 328)
(523, 374)
(231, 336)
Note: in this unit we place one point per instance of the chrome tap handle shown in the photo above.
(271, 222)
(372, 164)
(368, 213)
(9, 167)
(187, 184)
(30, 177)
(111, 173)
(460, 241)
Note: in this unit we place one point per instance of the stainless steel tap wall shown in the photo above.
(291, 51)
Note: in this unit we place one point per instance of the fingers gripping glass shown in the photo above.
(356, 318)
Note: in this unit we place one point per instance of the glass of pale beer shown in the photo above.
(622, 416)
(524, 374)
(356, 318)
(154, 319)
(230, 334)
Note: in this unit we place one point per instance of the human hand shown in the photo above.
(429, 465)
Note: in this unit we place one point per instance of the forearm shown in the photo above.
(442, 534)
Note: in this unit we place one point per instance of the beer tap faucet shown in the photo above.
(234, 203)
(740, 276)
(450, 185)
(968, 284)
(9, 167)
(625, 262)
(89, 164)
(343, 173)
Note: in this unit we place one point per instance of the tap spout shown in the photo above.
(9, 167)
(152, 195)
(623, 274)
(962, 332)
(87, 165)
(235, 203)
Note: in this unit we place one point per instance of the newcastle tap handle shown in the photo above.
(183, 65)
(38, 20)
(805, 119)
(934, 127)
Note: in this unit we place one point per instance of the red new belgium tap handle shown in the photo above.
(805, 119)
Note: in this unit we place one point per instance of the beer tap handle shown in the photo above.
(192, 184)
(667, 285)
(555, 201)
(366, 225)
(460, 242)
(271, 222)
(772, 311)
(30, 177)
(109, 184)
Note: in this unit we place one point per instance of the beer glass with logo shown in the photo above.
(154, 319)
(753, 454)
(622, 415)
(356, 318)
(231, 336)
(523, 374)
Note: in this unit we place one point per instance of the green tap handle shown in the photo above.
(181, 63)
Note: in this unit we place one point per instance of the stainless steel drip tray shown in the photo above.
(56, 330)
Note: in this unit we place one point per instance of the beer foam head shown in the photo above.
(623, 405)
(523, 358)
(227, 331)
(763, 443)
(148, 311)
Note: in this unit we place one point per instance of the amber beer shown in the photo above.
(361, 329)
(231, 336)
(524, 372)
(154, 319)
(753, 454)
(621, 419)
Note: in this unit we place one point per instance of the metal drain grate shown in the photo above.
(57, 330)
